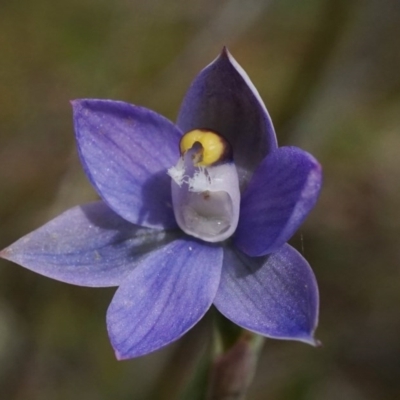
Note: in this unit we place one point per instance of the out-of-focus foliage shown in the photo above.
(328, 71)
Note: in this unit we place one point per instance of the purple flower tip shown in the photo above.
(4, 253)
(225, 51)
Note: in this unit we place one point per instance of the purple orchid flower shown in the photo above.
(192, 214)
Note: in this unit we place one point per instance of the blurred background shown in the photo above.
(329, 73)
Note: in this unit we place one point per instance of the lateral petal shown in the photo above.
(283, 190)
(126, 151)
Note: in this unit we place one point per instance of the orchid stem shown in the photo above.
(233, 370)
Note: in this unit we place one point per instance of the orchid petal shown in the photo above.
(223, 99)
(163, 297)
(89, 245)
(275, 296)
(283, 190)
(126, 151)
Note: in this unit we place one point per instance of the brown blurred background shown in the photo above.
(329, 73)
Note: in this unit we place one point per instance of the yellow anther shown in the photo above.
(214, 147)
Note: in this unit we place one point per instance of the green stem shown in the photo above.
(233, 370)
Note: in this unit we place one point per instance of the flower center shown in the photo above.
(205, 187)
